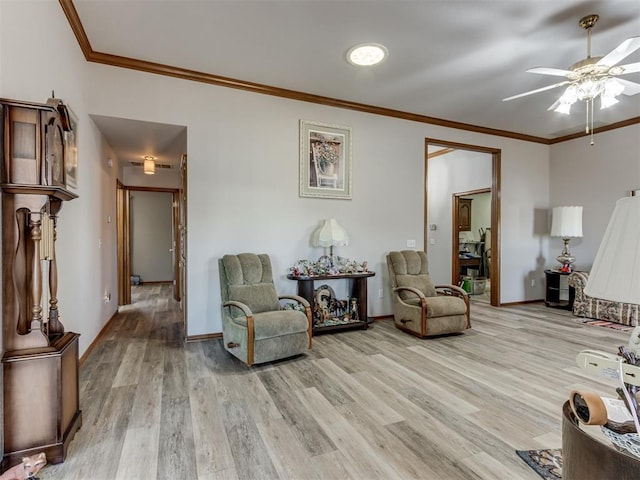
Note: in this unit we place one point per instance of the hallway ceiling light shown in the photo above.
(149, 165)
(367, 54)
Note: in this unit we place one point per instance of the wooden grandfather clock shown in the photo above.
(39, 358)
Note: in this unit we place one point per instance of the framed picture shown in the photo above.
(325, 160)
(71, 153)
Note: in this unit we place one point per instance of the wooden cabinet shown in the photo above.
(308, 289)
(40, 359)
(464, 214)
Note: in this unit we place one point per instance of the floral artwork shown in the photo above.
(325, 160)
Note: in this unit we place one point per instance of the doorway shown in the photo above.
(154, 228)
(440, 148)
(471, 238)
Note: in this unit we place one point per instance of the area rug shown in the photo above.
(546, 463)
(604, 323)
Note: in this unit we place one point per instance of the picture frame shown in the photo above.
(71, 153)
(325, 160)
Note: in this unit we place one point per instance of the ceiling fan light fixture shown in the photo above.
(564, 108)
(367, 54)
(149, 165)
(589, 88)
(606, 101)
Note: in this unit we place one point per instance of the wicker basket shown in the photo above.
(627, 441)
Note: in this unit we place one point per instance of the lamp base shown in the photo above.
(565, 258)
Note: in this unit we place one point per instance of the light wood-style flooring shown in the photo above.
(374, 404)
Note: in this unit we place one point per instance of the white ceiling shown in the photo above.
(450, 59)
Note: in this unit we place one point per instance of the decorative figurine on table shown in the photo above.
(353, 310)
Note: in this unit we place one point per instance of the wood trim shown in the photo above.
(496, 161)
(605, 128)
(76, 26)
(250, 340)
(524, 302)
(157, 282)
(192, 75)
(202, 77)
(496, 239)
(382, 317)
(98, 338)
(205, 336)
(152, 189)
(124, 242)
(444, 151)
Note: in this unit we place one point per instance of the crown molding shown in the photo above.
(196, 76)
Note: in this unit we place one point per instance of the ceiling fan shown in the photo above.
(592, 77)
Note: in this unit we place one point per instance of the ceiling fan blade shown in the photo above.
(550, 71)
(630, 68)
(622, 51)
(548, 87)
(555, 105)
(630, 88)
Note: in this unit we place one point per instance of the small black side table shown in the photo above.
(559, 293)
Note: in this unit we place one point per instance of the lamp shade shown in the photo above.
(566, 222)
(615, 274)
(149, 165)
(330, 234)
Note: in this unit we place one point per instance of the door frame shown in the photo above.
(123, 244)
(496, 160)
(123, 219)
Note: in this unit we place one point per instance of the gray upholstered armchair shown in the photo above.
(419, 307)
(254, 326)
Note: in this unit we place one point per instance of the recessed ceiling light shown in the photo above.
(366, 54)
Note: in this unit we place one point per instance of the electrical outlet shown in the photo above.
(107, 296)
(432, 241)
(380, 293)
(533, 282)
(411, 243)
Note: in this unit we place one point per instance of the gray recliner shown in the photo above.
(419, 307)
(255, 328)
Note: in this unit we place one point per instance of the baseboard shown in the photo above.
(157, 282)
(101, 333)
(381, 317)
(206, 336)
(525, 302)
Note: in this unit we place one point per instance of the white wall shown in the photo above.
(594, 177)
(151, 235)
(480, 213)
(243, 181)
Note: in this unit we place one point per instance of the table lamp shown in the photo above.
(566, 223)
(329, 234)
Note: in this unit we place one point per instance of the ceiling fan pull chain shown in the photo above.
(586, 124)
(591, 107)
